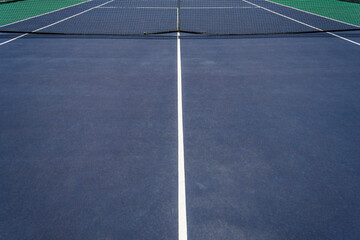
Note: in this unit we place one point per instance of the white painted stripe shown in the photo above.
(65, 19)
(343, 38)
(39, 29)
(176, 7)
(332, 19)
(305, 24)
(182, 222)
(44, 14)
(13, 39)
(216, 7)
(138, 7)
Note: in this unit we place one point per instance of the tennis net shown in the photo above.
(163, 17)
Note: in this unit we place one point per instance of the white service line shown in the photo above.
(44, 14)
(138, 7)
(175, 7)
(216, 7)
(39, 29)
(182, 222)
(305, 24)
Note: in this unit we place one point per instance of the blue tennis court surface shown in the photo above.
(271, 133)
(180, 136)
(88, 139)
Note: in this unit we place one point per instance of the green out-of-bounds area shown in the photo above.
(12, 11)
(340, 10)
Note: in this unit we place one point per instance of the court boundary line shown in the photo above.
(318, 15)
(13, 39)
(44, 14)
(62, 20)
(305, 24)
(182, 221)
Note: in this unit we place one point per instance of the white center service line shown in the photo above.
(39, 29)
(305, 24)
(182, 222)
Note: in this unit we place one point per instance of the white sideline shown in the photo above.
(305, 24)
(300, 10)
(13, 39)
(22, 20)
(39, 29)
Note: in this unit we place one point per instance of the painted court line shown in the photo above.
(138, 7)
(305, 24)
(182, 222)
(217, 7)
(13, 39)
(332, 19)
(39, 29)
(177, 8)
(78, 14)
(44, 14)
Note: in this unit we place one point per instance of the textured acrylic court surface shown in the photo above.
(88, 140)
(271, 132)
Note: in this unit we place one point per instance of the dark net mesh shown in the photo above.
(149, 17)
